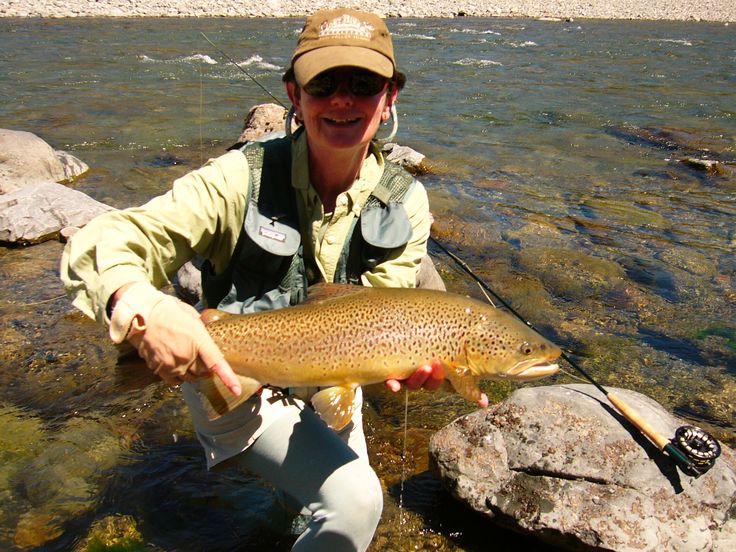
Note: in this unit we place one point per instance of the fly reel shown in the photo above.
(699, 446)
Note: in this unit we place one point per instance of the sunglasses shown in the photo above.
(360, 83)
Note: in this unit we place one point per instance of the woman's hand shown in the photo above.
(428, 376)
(169, 336)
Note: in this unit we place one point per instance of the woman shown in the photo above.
(271, 219)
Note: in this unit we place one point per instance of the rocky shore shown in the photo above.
(699, 10)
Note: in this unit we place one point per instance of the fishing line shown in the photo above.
(201, 113)
(488, 297)
(35, 303)
(247, 74)
(402, 521)
(693, 449)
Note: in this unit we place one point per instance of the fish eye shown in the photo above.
(525, 348)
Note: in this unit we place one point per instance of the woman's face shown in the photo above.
(340, 115)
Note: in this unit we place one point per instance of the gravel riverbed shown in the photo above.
(699, 10)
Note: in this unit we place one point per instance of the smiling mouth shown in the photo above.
(336, 121)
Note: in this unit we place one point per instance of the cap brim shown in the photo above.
(312, 63)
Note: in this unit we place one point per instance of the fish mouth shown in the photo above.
(532, 369)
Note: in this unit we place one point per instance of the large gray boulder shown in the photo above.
(26, 159)
(37, 213)
(558, 463)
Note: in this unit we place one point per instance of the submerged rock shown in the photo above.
(62, 482)
(558, 463)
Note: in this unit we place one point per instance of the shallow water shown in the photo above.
(557, 177)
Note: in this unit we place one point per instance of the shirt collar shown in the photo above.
(370, 171)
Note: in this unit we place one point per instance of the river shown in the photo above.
(557, 153)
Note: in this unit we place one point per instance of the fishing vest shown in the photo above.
(268, 269)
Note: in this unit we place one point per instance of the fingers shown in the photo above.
(176, 345)
(428, 376)
(222, 370)
(211, 357)
(393, 385)
(419, 377)
(483, 401)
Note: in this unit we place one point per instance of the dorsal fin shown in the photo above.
(318, 293)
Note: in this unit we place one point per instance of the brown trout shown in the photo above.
(344, 336)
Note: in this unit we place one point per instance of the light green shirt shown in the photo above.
(203, 214)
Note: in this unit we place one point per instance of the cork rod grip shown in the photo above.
(655, 436)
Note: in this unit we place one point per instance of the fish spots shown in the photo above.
(367, 336)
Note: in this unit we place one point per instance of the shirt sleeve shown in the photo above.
(201, 214)
(401, 269)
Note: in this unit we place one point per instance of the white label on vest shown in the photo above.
(272, 234)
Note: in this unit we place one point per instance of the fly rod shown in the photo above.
(247, 74)
(692, 449)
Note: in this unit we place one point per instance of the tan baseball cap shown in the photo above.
(343, 37)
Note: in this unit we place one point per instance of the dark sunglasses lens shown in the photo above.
(367, 84)
(363, 83)
(321, 86)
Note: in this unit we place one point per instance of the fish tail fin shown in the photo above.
(335, 405)
(464, 382)
(219, 399)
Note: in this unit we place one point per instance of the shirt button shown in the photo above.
(330, 239)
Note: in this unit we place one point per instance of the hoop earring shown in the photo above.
(289, 120)
(394, 126)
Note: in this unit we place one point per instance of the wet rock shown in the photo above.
(411, 160)
(113, 533)
(619, 212)
(673, 139)
(70, 165)
(38, 212)
(428, 277)
(27, 159)
(708, 166)
(187, 281)
(572, 273)
(35, 529)
(262, 120)
(62, 481)
(557, 463)
(167, 160)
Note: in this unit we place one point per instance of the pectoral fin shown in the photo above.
(464, 382)
(335, 405)
(219, 399)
